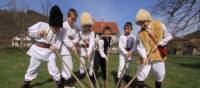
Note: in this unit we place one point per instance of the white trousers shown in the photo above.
(66, 61)
(91, 65)
(34, 68)
(122, 62)
(157, 68)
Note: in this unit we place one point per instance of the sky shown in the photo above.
(119, 11)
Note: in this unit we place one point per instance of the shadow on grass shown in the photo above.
(114, 74)
(192, 66)
(42, 83)
(126, 79)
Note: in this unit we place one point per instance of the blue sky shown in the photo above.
(119, 11)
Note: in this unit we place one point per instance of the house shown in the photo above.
(21, 39)
(98, 29)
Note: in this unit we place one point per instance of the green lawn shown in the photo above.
(182, 71)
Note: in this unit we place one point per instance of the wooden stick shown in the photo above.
(107, 71)
(129, 83)
(95, 77)
(80, 83)
(123, 71)
(85, 69)
(59, 56)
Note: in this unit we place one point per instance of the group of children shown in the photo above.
(58, 38)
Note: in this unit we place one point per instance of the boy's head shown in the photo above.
(128, 28)
(107, 32)
(86, 21)
(56, 19)
(72, 16)
(143, 18)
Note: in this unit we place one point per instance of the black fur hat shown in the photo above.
(56, 17)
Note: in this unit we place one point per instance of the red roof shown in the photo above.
(98, 26)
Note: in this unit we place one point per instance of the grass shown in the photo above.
(182, 71)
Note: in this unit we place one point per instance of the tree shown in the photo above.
(182, 15)
(46, 6)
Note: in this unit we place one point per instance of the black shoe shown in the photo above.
(81, 76)
(127, 78)
(69, 82)
(93, 80)
(158, 84)
(59, 84)
(27, 84)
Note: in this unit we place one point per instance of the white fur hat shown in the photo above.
(86, 19)
(143, 15)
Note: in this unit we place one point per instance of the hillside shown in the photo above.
(12, 22)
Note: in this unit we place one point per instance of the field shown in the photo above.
(182, 71)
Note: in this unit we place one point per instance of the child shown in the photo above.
(42, 50)
(152, 36)
(71, 36)
(101, 51)
(87, 42)
(127, 44)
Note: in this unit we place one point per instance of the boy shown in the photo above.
(152, 36)
(42, 50)
(100, 59)
(127, 44)
(87, 42)
(71, 36)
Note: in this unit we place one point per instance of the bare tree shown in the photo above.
(182, 15)
(46, 6)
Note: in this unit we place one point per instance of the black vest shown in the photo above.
(106, 44)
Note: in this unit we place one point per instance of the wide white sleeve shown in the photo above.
(32, 30)
(76, 39)
(167, 37)
(58, 41)
(141, 50)
(66, 41)
(91, 43)
(101, 48)
(121, 47)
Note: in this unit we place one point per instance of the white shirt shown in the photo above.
(38, 52)
(123, 42)
(89, 38)
(167, 37)
(70, 38)
(101, 48)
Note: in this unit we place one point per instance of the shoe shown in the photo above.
(93, 80)
(158, 84)
(69, 82)
(81, 76)
(59, 84)
(27, 84)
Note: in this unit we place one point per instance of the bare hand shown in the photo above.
(145, 61)
(154, 48)
(128, 55)
(73, 49)
(42, 33)
(54, 49)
